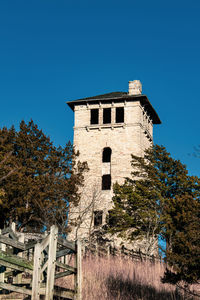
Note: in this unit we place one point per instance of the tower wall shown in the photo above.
(132, 136)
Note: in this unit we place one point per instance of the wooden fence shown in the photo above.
(107, 250)
(42, 262)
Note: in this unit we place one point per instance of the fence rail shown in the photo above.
(108, 250)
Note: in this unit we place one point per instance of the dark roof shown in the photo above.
(106, 96)
(117, 97)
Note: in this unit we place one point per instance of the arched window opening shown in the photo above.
(106, 154)
(106, 182)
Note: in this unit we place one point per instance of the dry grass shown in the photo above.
(124, 279)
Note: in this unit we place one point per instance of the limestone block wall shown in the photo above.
(131, 136)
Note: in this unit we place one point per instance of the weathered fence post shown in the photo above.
(2, 247)
(97, 249)
(18, 278)
(36, 273)
(78, 277)
(13, 226)
(51, 262)
(108, 251)
(83, 249)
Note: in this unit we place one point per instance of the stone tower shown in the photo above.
(108, 129)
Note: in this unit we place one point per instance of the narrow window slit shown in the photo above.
(111, 220)
(106, 182)
(98, 218)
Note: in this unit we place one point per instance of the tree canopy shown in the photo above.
(161, 199)
(38, 181)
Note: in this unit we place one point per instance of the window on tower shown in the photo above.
(98, 218)
(110, 219)
(119, 115)
(106, 115)
(94, 116)
(106, 157)
(106, 182)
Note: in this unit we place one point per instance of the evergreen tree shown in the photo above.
(152, 203)
(7, 165)
(43, 179)
(182, 219)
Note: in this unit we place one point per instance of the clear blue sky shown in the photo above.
(55, 51)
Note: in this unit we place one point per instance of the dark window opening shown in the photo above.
(94, 116)
(106, 182)
(106, 115)
(98, 217)
(111, 220)
(119, 115)
(106, 154)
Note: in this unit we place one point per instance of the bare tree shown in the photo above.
(81, 218)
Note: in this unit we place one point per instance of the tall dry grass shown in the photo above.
(116, 278)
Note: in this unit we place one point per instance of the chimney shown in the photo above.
(135, 87)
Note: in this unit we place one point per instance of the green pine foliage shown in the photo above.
(161, 199)
(38, 181)
(182, 219)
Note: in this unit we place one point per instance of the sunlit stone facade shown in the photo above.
(107, 130)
